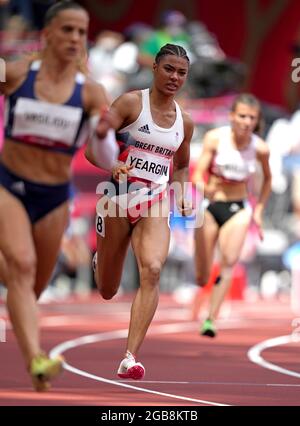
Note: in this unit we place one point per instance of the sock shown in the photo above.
(129, 355)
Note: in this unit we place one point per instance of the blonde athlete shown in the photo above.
(49, 105)
(229, 158)
(152, 132)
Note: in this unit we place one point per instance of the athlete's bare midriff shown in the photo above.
(227, 191)
(36, 164)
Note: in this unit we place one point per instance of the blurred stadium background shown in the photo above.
(241, 45)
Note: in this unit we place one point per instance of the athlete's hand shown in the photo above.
(209, 191)
(121, 171)
(185, 207)
(257, 219)
(102, 129)
(106, 122)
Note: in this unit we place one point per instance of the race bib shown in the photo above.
(148, 166)
(100, 225)
(47, 123)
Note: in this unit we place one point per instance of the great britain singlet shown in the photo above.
(231, 164)
(149, 148)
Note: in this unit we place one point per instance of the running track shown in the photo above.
(254, 360)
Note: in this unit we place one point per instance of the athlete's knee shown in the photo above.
(229, 260)
(202, 279)
(108, 290)
(22, 274)
(23, 265)
(151, 271)
(108, 293)
(226, 272)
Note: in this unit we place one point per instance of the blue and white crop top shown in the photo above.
(55, 127)
(148, 147)
(231, 164)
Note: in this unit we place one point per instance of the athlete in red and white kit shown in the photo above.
(229, 159)
(153, 132)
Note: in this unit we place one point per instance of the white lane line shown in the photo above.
(254, 354)
(171, 382)
(113, 382)
(119, 334)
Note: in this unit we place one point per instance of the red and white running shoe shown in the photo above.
(129, 369)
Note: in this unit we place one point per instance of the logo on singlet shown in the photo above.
(234, 207)
(18, 187)
(144, 129)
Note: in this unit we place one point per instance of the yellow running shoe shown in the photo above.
(43, 369)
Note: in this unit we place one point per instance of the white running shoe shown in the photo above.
(129, 369)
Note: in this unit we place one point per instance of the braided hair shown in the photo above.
(172, 49)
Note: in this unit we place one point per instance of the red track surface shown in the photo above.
(178, 361)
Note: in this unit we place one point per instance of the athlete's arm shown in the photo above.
(181, 167)
(101, 150)
(124, 110)
(205, 159)
(209, 144)
(13, 73)
(262, 155)
(120, 114)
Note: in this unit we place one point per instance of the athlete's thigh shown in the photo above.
(113, 236)
(151, 236)
(232, 236)
(47, 235)
(16, 242)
